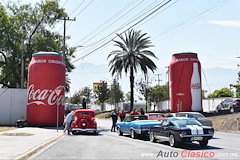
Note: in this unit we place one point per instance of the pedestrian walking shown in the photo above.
(67, 122)
(114, 116)
(122, 115)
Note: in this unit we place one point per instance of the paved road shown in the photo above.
(108, 145)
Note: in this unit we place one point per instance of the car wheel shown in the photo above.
(151, 137)
(172, 141)
(203, 143)
(133, 134)
(120, 133)
(74, 132)
(232, 110)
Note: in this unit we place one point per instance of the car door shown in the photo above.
(227, 103)
(163, 129)
(126, 125)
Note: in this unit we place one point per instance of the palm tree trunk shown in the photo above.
(132, 87)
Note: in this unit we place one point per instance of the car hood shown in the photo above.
(143, 122)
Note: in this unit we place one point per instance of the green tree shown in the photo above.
(224, 92)
(237, 86)
(76, 98)
(115, 93)
(86, 92)
(204, 93)
(133, 55)
(143, 89)
(38, 20)
(102, 93)
(158, 93)
(127, 96)
(79, 95)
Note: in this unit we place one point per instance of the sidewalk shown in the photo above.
(22, 147)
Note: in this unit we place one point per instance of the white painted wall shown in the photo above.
(13, 104)
(209, 104)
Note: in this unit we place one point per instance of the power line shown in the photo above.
(86, 38)
(124, 30)
(190, 16)
(77, 7)
(65, 3)
(80, 12)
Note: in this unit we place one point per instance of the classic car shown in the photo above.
(155, 116)
(84, 121)
(196, 115)
(180, 129)
(137, 125)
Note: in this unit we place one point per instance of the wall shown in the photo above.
(209, 104)
(13, 103)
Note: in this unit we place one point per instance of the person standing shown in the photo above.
(84, 103)
(141, 111)
(122, 115)
(66, 111)
(114, 116)
(134, 112)
(67, 122)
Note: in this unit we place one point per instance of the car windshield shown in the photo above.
(155, 116)
(134, 118)
(184, 122)
(199, 115)
(181, 115)
(84, 114)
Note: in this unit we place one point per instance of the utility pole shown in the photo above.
(22, 58)
(158, 80)
(64, 34)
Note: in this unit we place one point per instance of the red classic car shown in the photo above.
(84, 121)
(155, 116)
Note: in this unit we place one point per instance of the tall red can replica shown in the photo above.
(185, 83)
(46, 89)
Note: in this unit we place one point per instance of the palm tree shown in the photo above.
(132, 56)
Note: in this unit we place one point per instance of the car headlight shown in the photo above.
(183, 132)
(210, 131)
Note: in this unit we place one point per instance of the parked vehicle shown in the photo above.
(84, 121)
(137, 125)
(181, 129)
(232, 105)
(155, 116)
(196, 115)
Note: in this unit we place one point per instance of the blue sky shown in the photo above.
(210, 28)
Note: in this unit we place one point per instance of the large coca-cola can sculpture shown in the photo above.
(185, 83)
(46, 89)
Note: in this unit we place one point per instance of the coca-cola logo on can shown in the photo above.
(45, 96)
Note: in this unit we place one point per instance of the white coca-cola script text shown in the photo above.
(45, 96)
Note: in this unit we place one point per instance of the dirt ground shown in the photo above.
(5, 128)
(226, 122)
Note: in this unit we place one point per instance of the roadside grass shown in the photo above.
(4, 128)
(103, 115)
(16, 134)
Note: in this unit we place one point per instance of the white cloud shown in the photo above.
(226, 23)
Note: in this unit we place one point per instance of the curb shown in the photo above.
(37, 149)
